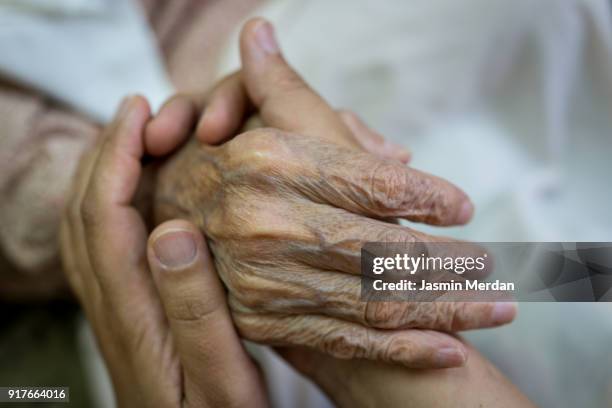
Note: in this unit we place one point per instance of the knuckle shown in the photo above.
(417, 315)
(426, 315)
(383, 315)
(190, 309)
(457, 316)
(254, 222)
(239, 215)
(260, 150)
(394, 235)
(388, 183)
(223, 221)
(261, 140)
(398, 348)
(444, 314)
(408, 316)
(403, 315)
(346, 343)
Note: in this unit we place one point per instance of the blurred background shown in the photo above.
(510, 100)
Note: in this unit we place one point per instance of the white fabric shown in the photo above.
(56, 7)
(512, 101)
(86, 53)
(508, 99)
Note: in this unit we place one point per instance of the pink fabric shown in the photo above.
(41, 142)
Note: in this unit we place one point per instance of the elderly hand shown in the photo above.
(165, 332)
(287, 209)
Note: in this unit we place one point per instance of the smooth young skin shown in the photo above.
(287, 209)
(362, 383)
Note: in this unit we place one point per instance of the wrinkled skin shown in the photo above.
(286, 210)
(286, 216)
(164, 326)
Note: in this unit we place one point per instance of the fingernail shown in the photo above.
(265, 39)
(465, 212)
(175, 248)
(503, 312)
(450, 357)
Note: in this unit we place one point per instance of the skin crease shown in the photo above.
(289, 258)
(132, 292)
(280, 243)
(161, 319)
(286, 215)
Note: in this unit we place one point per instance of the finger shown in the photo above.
(279, 92)
(195, 305)
(75, 254)
(227, 107)
(334, 240)
(364, 184)
(344, 340)
(111, 224)
(117, 169)
(339, 295)
(74, 248)
(224, 110)
(372, 141)
(128, 309)
(171, 126)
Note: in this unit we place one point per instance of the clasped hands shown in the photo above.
(285, 210)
